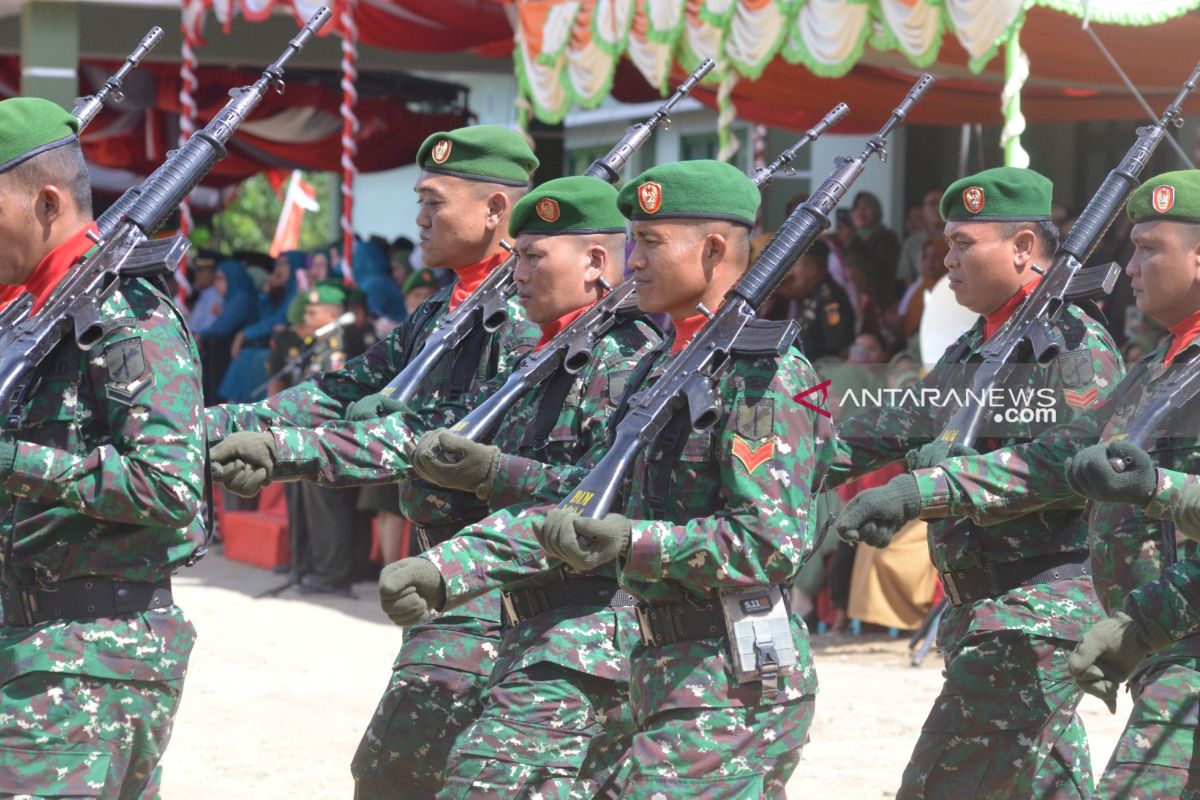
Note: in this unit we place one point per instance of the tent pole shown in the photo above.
(1016, 71)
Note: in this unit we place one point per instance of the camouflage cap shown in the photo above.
(578, 205)
(1002, 194)
(326, 294)
(30, 126)
(1171, 196)
(701, 189)
(419, 280)
(488, 153)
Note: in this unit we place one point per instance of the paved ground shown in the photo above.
(279, 692)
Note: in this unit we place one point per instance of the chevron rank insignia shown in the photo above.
(752, 457)
(1082, 399)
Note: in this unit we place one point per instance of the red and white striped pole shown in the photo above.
(192, 19)
(349, 132)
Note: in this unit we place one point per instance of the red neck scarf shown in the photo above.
(1182, 335)
(470, 277)
(552, 329)
(995, 320)
(55, 266)
(685, 330)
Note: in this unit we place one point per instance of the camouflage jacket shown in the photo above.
(732, 510)
(500, 551)
(1137, 561)
(1085, 372)
(108, 481)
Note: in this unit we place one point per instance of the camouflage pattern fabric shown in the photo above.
(735, 513)
(1140, 564)
(107, 482)
(564, 647)
(1085, 373)
(987, 736)
(1155, 755)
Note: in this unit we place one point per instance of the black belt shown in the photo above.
(81, 598)
(677, 622)
(970, 584)
(585, 590)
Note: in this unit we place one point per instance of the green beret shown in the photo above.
(577, 204)
(486, 153)
(691, 189)
(29, 126)
(419, 280)
(326, 294)
(1172, 196)
(1003, 194)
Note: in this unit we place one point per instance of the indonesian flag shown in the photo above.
(300, 197)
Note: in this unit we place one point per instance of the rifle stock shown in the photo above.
(487, 305)
(1030, 328)
(572, 347)
(690, 380)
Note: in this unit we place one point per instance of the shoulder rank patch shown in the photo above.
(752, 457)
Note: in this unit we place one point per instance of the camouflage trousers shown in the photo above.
(436, 691)
(1156, 755)
(1004, 725)
(65, 735)
(547, 732)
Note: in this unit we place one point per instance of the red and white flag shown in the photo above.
(300, 197)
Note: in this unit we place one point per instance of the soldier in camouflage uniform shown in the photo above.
(102, 481)
(470, 180)
(1018, 586)
(553, 716)
(1145, 578)
(722, 509)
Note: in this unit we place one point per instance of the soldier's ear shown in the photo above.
(50, 204)
(1025, 247)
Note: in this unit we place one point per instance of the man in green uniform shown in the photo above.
(720, 510)
(1019, 587)
(102, 481)
(1145, 578)
(555, 720)
(470, 180)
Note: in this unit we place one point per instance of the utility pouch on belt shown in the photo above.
(759, 635)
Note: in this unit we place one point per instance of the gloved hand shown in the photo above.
(934, 453)
(875, 516)
(1109, 653)
(582, 542)
(240, 478)
(1186, 512)
(8, 456)
(456, 462)
(373, 406)
(409, 589)
(244, 462)
(1092, 473)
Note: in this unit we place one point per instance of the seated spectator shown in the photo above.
(238, 308)
(419, 287)
(874, 249)
(912, 305)
(251, 345)
(203, 301)
(838, 240)
(909, 263)
(373, 274)
(811, 297)
(315, 273)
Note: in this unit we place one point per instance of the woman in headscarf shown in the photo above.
(238, 308)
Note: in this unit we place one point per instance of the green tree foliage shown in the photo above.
(248, 222)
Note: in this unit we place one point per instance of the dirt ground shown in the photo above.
(280, 690)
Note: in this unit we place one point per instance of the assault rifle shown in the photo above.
(75, 303)
(487, 305)
(86, 108)
(571, 348)
(1029, 331)
(689, 383)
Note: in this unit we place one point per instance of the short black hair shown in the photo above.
(820, 251)
(61, 166)
(1046, 232)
